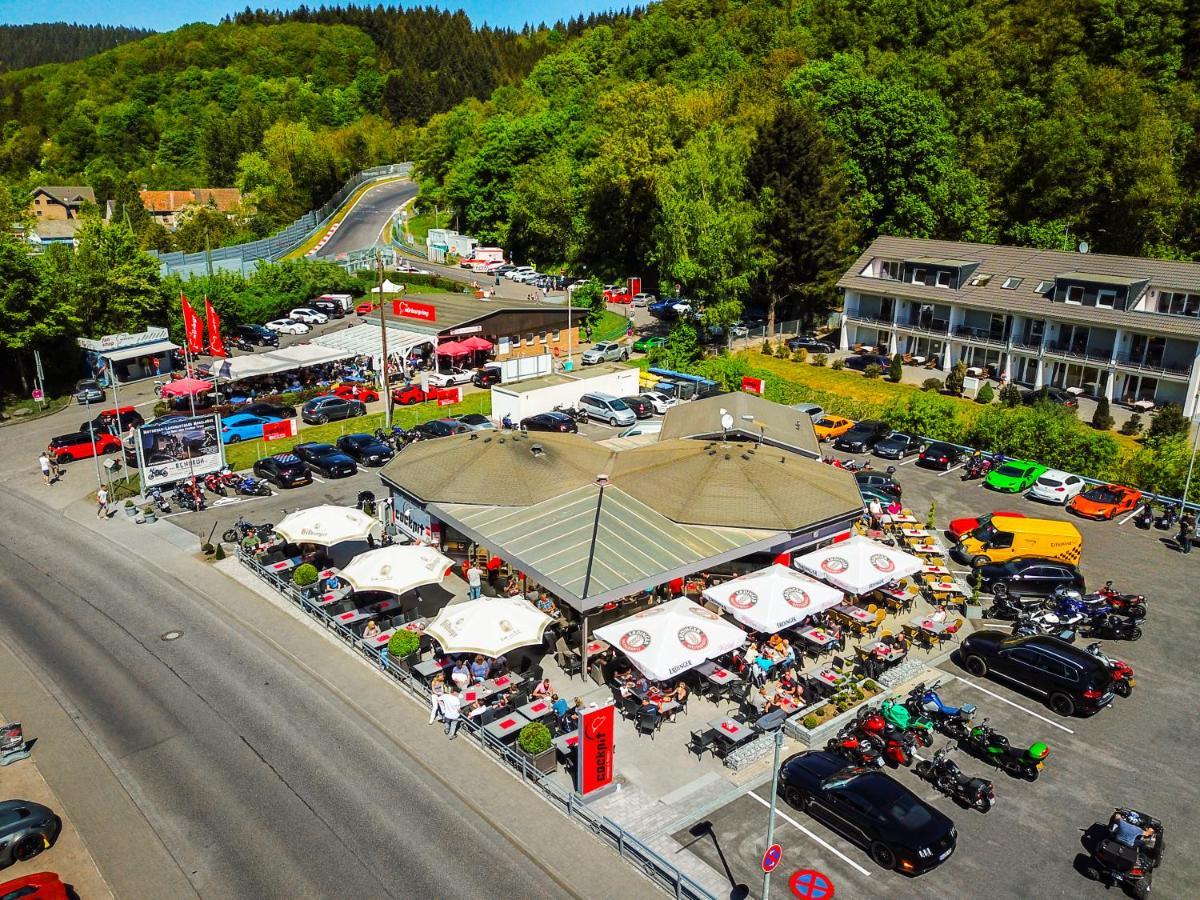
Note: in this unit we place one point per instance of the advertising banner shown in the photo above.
(178, 448)
(752, 385)
(273, 431)
(449, 396)
(595, 768)
(409, 310)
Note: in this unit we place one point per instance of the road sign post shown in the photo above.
(771, 858)
(766, 890)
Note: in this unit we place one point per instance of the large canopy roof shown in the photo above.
(365, 340)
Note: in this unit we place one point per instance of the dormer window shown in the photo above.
(1011, 284)
(1106, 297)
(943, 278)
(918, 276)
(1074, 294)
(1044, 286)
(891, 269)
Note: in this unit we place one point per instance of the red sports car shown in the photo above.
(38, 886)
(356, 392)
(618, 295)
(406, 396)
(960, 527)
(1105, 501)
(79, 445)
(366, 307)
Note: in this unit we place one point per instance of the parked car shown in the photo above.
(331, 308)
(642, 408)
(660, 401)
(258, 335)
(365, 448)
(408, 268)
(82, 444)
(1105, 501)
(1073, 681)
(269, 410)
(436, 428)
(330, 408)
(115, 421)
(880, 481)
(476, 421)
(284, 470)
(876, 492)
(351, 391)
(615, 293)
(326, 459)
(549, 421)
(1054, 486)
(242, 427)
(862, 437)
(830, 427)
(812, 410)
(517, 271)
(1014, 476)
(648, 342)
(308, 316)
(643, 299)
(810, 344)
(958, 528)
(366, 307)
(487, 376)
(452, 377)
(1029, 576)
(38, 886)
(898, 445)
(939, 455)
(88, 390)
(605, 350)
(288, 326)
(1051, 394)
(607, 408)
(26, 829)
(407, 396)
(897, 828)
(860, 363)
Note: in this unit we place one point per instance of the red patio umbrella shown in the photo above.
(453, 348)
(185, 386)
(477, 343)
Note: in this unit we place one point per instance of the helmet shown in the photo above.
(1065, 593)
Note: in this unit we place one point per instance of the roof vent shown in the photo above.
(601, 479)
(537, 450)
(499, 440)
(487, 440)
(746, 456)
(474, 436)
(727, 456)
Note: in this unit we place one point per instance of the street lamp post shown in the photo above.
(766, 888)
(87, 404)
(704, 829)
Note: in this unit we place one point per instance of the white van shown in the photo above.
(607, 408)
(346, 300)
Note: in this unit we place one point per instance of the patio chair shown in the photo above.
(703, 740)
(630, 707)
(648, 721)
(841, 665)
(916, 635)
(880, 618)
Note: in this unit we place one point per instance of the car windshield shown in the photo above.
(1101, 495)
(827, 423)
(985, 533)
(619, 404)
(321, 449)
(1009, 471)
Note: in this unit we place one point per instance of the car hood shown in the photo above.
(338, 459)
(374, 449)
(985, 638)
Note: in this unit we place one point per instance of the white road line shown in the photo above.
(822, 842)
(1010, 703)
(1128, 517)
(907, 461)
(321, 480)
(948, 471)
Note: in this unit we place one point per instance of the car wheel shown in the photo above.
(322, 420)
(233, 439)
(613, 421)
(625, 354)
(29, 847)
(795, 798)
(976, 665)
(979, 561)
(883, 855)
(1062, 704)
(110, 449)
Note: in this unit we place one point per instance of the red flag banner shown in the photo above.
(216, 345)
(193, 328)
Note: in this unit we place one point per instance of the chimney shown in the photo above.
(537, 450)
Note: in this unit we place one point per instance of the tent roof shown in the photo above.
(364, 340)
(453, 348)
(185, 386)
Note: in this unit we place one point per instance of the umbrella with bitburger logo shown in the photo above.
(490, 626)
(671, 638)
(773, 598)
(859, 565)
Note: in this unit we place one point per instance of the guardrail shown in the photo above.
(566, 801)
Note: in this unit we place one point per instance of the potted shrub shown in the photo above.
(305, 577)
(148, 513)
(535, 742)
(403, 646)
(130, 509)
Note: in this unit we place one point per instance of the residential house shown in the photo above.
(56, 210)
(1120, 327)
(165, 207)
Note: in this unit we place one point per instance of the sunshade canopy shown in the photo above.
(453, 348)
(859, 564)
(185, 386)
(328, 525)
(396, 569)
(475, 342)
(388, 287)
(671, 638)
(490, 626)
(773, 598)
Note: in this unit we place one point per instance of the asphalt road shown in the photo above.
(258, 779)
(363, 223)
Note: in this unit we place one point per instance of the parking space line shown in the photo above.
(321, 480)
(907, 461)
(1128, 517)
(834, 850)
(1010, 703)
(948, 471)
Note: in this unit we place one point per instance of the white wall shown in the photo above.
(511, 400)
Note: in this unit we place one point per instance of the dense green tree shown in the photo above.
(114, 283)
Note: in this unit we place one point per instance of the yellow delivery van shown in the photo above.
(1008, 537)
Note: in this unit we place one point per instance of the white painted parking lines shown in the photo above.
(834, 850)
(948, 471)
(1010, 703)
(1128, 517)
(319, 480)
(907, 461)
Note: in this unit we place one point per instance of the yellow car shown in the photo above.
(831, 427)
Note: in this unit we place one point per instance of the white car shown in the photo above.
(308, 316)
(1057, 487)
(518, 272)
(410, 269)
(448, 379)
(528, 277)
(643, 299)
(739, 330)
(288, 326)
(660, 401)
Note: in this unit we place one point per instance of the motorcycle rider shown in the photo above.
(1187, 527)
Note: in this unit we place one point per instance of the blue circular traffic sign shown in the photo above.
(771, 858)
(809, 884)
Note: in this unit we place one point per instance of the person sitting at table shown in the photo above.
(372, 631)
(559, 707)
(838, 642)
(787, 652)
(500, 666)
(575, 712)
(461, 674)
(480, 669)
(542, 689)
(332, 582)
(762, 702)
(546, 604)
(939, 614)
(893, 508)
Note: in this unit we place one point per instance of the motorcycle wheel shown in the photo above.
(923, 769)
(1122, 688)
(1135, 633)
(1030, 773)
(1136, 612)
(230, 536)
(925, 737)
(984, 804)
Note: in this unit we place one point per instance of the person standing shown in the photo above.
(875, 508)
(436, 689)
(451, 707)
(1187, 527)
(44, 462)
(102, 504)
(474, 582)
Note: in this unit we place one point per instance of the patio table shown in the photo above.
(915, 533)
(506, 726)
(284, 565)
(478, 693)
(827, 676)
(1142, 405)
(898, 519)
(369, 612)
(731, 730)
(817, 637)
(503, 683)
(894, 593)
(381, 639)
(716, 674)
(332, 597)
(928, 549)
(430, 667)
(566, 743)
(930, 569)
(597, 646)
(853, 612)
(883, 652)
(536, 709)
(947, 587)
(928, 625)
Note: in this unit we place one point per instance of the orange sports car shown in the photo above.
(1105, 501)
(830, 427)
(356, 392)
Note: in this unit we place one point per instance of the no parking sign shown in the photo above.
(809, 884)
(771, 858)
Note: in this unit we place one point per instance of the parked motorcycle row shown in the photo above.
(397, 438)
(1107, 613)
(191, 497)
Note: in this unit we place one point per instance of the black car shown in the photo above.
(1073, 681)
(330, 408)
(284, 470)
(863, 436)
(868, 359)
(883, 482)
(115, 421)
(810, 344)
(550, 421)
(486, 376)
(269, 410)
(898, 445)
(88, 391)
(366, 448)
(331, 308)
(642, 408)
(326, 459)
(940, 456)
(259, 335)
(870, 808)
(26, 829)
(436, 428)
(1051, 395)
(1028, 576)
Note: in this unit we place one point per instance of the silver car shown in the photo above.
(605, 350)
(26, 829)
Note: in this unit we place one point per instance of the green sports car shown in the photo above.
(1014, 476)
(646, 344)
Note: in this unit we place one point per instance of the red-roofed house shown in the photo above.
(165, 206)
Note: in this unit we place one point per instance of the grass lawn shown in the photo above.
(11, 404)
(243, 455)
(610, 327)
(419, 225)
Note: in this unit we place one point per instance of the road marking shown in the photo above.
(948, 471)
(1128, 517)
(819, 840)
(907, 461)
(1010, 703)
(321, 480)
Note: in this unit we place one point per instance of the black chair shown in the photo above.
(702, 741)
(572, 665)
(683, 704)
(534, 673)
(630, 707)
(648, 721)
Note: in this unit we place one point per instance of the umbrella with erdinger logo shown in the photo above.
(665, 640)
(859, 565)
(490, 626)
(773, 598)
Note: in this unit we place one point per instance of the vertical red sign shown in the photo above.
(752, 385)
(635, 285)
(449, 396)
(596, 727)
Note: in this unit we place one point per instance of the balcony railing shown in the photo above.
(870, 318)
(1027, 343)
(1092, 354)
(981, 336)
(931, 326)
(1127, 361)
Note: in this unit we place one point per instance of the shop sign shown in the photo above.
(595, 769)
(407, 309)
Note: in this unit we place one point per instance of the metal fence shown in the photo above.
(244, 258)
(565, 800)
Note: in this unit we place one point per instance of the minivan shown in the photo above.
(608, 408)
(1008, 537)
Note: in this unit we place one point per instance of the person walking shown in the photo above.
(102, 504)
(474, 582)
(44, 462)
(1187, 527)
(437, 688)
(451, 706)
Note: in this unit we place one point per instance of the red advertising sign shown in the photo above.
(273, 431)
(752, 385)
(596, 727)
(409, 310)
(449, 396)
(635, 285)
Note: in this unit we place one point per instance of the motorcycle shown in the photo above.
(242, 527)
(905, 719)
(188, 497)
(1121, 671)
(945, 775)
(395, 438)
(952, 721)
(1132, 605)
(896, 746)
(1170, 515)
(214, 484)
(988, 744)
(155, 495)
(579, 414)
(977, 467)
(858, 749)
(1145, 517)
(1114, 628)
(1006, 606)
(240, 343)
(1045, 622)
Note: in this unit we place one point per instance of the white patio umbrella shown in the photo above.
(671, 638)
(328, 525)
(773, 598)
(490, 626)
(396, 569)
(859, 565)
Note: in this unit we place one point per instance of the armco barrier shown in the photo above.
(566, 801)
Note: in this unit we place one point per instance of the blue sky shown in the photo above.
(164, 15)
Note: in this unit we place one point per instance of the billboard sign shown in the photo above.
(449, 396)
(409, 310)
(752, 385)
(178, 447)
(273, 431)
(595, 768)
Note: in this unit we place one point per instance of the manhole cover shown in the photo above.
(172, 635)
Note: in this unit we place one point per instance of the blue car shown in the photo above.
(243, 427)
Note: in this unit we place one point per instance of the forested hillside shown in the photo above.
(746, 149)
(22, 46)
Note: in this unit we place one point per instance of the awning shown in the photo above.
(248, 366)
(453, 348)
(303, 355)
(185, 386)
(141, 350)
(364, 340)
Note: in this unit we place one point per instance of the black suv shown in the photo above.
(862, 437)
(641, 407)
(331, 308)
(1028, 576)
(1071, 679)
(326, 459)
(257, 334)
(330, 408)
(940, 456)
(488, 375)
(883, 482)
(285, 470)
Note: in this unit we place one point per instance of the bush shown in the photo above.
(838, 364)
(986, 393)
(896, 369)
(129, 502)
(220, 554)
(932, 384)
(207, 549)
(1010, 395)
(766, 348)
(161, 408)
(928, 415)
(1102, 419)
(403, 643)
(872, 371)
(1167, 421)
(820, 359)
(800, 356)
(810, 721)
(1133, 425)
(954, 381)
(932, 512)
(305, 575)
(534, 738)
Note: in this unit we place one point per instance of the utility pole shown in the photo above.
(766, 888)
(387, 386)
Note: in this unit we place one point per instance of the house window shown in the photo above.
(516, 340)
(1075, 294)
(943, 279)
(542, 337)
(890, 269)
(1044, 286)
(918, 276)
(1106, 297)
(1011, 284)
(39, 212)
(529, 339)
(556, 336)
